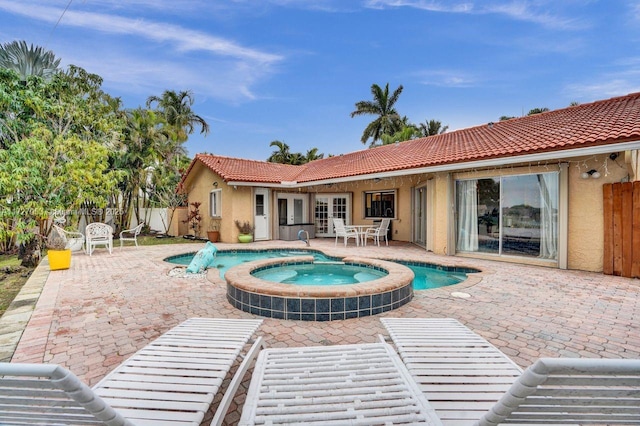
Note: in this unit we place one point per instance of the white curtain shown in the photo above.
(467, 195)
(548, 183)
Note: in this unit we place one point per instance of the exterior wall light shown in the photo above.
(590, 174)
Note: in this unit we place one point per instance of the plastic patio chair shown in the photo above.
(171, 381)
(364, 384)
(345, 231)
(376, 233)
(468, 381)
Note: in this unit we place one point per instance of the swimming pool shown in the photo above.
(427, 275)
(317, 301)
(226, 259)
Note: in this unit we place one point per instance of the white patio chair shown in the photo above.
(131, 234)
(75, 240)
(99, 234)
(345, 231)
(469, 381)
(362, 384)
(377, 232)
(171, 381)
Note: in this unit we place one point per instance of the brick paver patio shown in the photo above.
(91, 317)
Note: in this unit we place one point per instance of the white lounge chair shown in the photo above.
(376, 233)
(131, 234)
(346, 232)
(362, 384)
(171, 381)
(99, 234)
(463, 376)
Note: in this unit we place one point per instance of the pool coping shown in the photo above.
(240, 277)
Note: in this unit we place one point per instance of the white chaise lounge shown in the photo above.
(171, 381)
(363, 384)
(469, 381)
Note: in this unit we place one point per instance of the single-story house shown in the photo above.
(527, 190)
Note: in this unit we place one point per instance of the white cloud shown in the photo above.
(519, 10)
(445, 78)
(601, 90)
(147, 56)
(428, 5)
(182, 38)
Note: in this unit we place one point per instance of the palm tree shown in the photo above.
(388, 120)
(282, 155)
(176, 109)
(297, 159)
(406, 134)
(312, 155)
(28, 60)
(432, 127)
(146, 144)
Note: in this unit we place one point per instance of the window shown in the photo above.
(380, 204)
(511, 215)
(215, 203)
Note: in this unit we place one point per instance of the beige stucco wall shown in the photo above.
(585, 229)
(403, 185)
(236, 202)
(586, 210)
(440, 206)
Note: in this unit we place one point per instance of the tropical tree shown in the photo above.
(282, 155)
(382, 106)
(537, 111)
(28, 60)
(407, 133)
(55, 154)
(175, 107)
(312, 155)
(145, 144)
(432, 127)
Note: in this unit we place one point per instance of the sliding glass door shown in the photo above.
(509, 215)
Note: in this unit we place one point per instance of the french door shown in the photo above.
(328, 207)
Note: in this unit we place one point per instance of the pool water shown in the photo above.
(427, 276)
(227, 259)
(319, 274)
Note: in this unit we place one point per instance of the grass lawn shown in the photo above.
(13, 276)
(151, 240)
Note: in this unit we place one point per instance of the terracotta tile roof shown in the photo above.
(242, 170)
(599, 123)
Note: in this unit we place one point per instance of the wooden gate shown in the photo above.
(622, 229)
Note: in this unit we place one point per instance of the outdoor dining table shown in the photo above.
(362, 231)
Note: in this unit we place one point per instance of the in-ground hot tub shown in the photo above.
(318, 302)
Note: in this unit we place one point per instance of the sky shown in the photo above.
(292, 70)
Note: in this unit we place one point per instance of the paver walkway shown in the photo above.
(91, 317)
